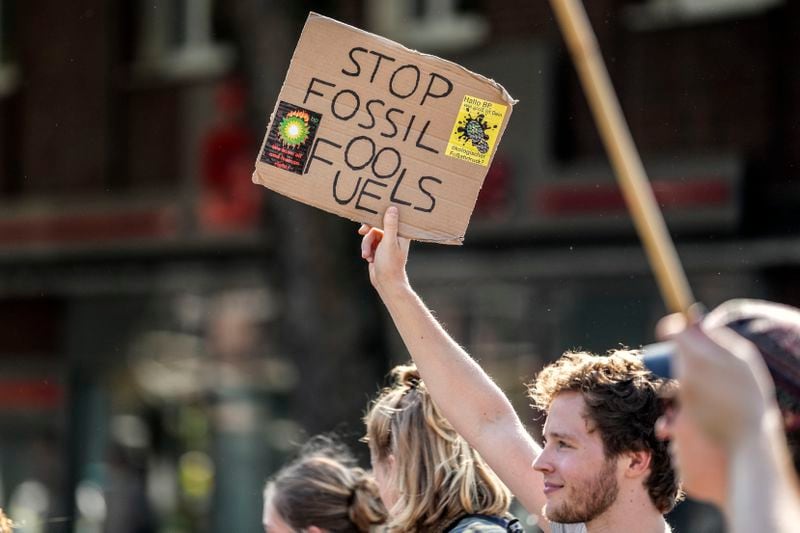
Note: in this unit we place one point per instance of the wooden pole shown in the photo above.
(621, 150)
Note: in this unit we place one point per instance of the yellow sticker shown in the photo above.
(475, 131)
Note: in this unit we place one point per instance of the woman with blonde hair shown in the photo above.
(430, 479)
(322, 491)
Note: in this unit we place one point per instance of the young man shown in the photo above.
(727, 431)
(600, 469)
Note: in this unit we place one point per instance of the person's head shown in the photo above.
(428, 474)
(322, 491)
(774, 330)
(599, 437)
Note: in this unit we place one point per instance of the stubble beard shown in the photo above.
(589, 500)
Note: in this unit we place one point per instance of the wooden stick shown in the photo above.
(627, 164)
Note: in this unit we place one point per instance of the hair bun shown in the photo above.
(365, 506)
(407, 375)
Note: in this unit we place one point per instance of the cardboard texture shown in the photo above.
(362, 123)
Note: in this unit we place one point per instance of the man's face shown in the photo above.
(700, 462)
(580, 483)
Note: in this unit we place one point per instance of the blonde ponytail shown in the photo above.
(438, 476)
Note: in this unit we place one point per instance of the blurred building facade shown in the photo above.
(168, 329)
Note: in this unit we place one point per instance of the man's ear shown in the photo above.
(637, 464)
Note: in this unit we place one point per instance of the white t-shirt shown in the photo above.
(581, 528)
(567, 528)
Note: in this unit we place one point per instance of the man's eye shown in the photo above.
(562, 444)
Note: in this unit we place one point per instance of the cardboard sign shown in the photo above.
(362, 123)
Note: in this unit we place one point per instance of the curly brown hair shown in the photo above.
(622, 400)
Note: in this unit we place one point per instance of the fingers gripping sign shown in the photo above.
(371, 238)
(385, 251)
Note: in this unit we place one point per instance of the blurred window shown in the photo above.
(430, 25)
(8, 50)
(655, 14)
(174, 52)
(10, 180)
(176, 39)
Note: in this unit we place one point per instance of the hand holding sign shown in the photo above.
(386, 252)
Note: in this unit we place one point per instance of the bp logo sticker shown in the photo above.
(293, 129)
(475, 130)
(290, 137)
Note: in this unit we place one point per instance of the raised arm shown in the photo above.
(467, 396)
(763, 490)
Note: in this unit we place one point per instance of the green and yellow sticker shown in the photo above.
(475, 132)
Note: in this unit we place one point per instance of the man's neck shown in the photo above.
(630, 512)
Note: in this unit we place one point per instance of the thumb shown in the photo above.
(391, 219)
(670, 326)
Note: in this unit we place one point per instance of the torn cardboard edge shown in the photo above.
(340, 161)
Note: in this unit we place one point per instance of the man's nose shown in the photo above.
(542, 462)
